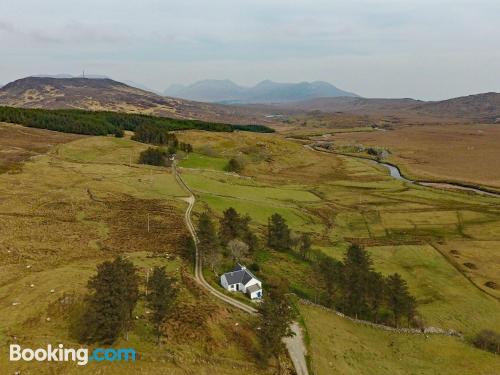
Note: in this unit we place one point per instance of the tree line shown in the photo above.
(107, 310)
(351, 285)
(159, 136)
(105, 122)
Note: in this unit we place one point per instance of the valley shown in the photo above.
(70, 202)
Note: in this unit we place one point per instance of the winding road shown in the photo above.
(295, 344)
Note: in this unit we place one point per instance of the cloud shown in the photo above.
(338, 41)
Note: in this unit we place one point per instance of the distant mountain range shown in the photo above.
(228, 92)
(107, 94)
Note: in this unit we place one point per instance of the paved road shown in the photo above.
(295, 344)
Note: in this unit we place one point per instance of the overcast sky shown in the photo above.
(377, 48)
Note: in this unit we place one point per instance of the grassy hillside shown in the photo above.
(339, 346)
(87, 200)
(64, 213)
(406, 228)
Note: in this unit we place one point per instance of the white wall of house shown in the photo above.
(223, 282)
(256, 294)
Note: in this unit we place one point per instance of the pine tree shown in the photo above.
(161, 298)
(233, 226)
(209, 244)
(187, 248)
(376, 294)
(305, 245)
(399, 299)
(278, 233)
(229, 225)
(114, 293)
(275, 319)
(356, 281)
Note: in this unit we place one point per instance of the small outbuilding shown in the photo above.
(240, 279)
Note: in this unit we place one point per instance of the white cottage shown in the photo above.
(242, 280)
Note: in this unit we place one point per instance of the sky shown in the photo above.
(422, 49)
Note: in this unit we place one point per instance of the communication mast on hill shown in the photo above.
(83, 73)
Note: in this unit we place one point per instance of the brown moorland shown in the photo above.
(460, 153)
(18, 143)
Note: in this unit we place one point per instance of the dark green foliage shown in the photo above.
(330, 272)
(209, 243)
(399, 299)
(254, 128)
(254, 267)
(103, 122)
(153, 156)
(488, 340)
(305, 245)
(278, 233)
(187, 248)
(233, 226)
(186, 147)
(119, 132)
(154, 134)
(114, 291)
(275, 319)
(353, 287)
(161, 297)
(234, 165)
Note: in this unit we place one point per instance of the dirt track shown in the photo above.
(295, 344)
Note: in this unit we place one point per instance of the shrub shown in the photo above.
(153, 156)
(488, 340)
(234, 165)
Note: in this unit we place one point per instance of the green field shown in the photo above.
(402, 225)
(339, 346)
(200, 161)
(88, 200)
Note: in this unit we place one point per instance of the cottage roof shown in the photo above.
(239, 275)
(253, 288)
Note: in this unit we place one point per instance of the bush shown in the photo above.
(254, 267)
(488, 340)
(153, 156)
(234, 165)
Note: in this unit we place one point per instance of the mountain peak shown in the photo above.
(266, 91)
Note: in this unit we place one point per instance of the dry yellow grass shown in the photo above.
(467, 153)
(63, 213)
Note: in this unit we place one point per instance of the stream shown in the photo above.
(396, 173)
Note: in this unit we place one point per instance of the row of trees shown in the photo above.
(104, 122)
(154, 156)
(155, 135)
(107, 310)
(351, 285)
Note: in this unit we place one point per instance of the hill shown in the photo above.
(82, 93)
(484, 107)
(226, 91)
(104, 94)
(209, 90)
(481, 107)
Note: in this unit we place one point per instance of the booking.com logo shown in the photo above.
(61, 354)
